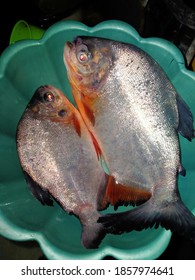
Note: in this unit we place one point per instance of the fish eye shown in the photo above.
(83, 55)
(48, 97)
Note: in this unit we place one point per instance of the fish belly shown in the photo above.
(59, 162)
(135, 123)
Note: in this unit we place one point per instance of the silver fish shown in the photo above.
(135, 114)
(58, 157)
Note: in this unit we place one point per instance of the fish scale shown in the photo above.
(129, 131)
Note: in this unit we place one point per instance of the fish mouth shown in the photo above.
(36, 96)
(76, 42)
(68, 60)
(41, 90)
(69, 45)
(67, 50)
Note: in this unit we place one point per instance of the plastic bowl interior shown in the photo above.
(25, 66)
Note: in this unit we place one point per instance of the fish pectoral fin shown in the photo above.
(96, 146)
(40, 194)
(84, 106)
(89, 113)
(117, 194)
(172, 215)
(185, 127)
(76, 124)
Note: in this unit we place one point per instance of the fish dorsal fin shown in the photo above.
(118, 194)
(185, 127)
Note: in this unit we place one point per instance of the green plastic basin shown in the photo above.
(24, 67)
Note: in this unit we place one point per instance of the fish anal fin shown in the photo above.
(118, 194)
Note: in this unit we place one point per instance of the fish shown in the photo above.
(60, 160)
(136, 115)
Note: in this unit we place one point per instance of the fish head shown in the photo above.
(50, 102)
(87, 60)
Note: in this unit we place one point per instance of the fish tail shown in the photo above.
(173, 215)
(92, 235)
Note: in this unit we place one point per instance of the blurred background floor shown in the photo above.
(169, 19)
(12, 250)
